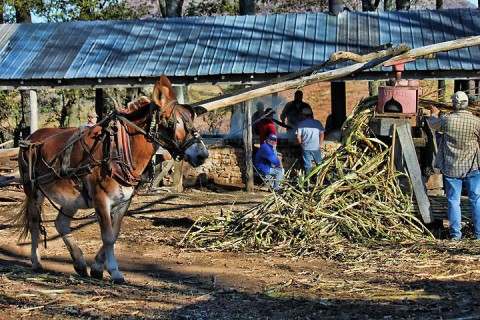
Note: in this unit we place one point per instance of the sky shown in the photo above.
(474, 2)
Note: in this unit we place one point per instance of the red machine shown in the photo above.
(398, 118)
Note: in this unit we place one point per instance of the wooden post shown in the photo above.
(180, 92)
(411, 160)
(441, 91)
(247, 142)
(339, 104)
(99, 103)
(33, 111)
(178, 176)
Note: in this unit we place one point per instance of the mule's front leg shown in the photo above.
(62, 223)
(110, 229)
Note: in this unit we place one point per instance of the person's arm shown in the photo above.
(322, 135)
(434, 121)
(284, 113)
(273, 158)
(298, 132)
(299, 138)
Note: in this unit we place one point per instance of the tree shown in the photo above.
(22, 11)
(1, 12)
(211, 8)
(403, 4)
(247, 7)
(388, 5)
(370, 5)
(170, 8)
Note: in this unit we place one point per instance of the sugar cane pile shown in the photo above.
(354, 196)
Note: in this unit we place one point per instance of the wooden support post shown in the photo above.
(33, 111)
(99, 103)
(411, 160)
(441, 91)
(247, 142)
(178, 176)
(339, 104)
(163, 172)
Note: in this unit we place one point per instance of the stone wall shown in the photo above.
(226, 163)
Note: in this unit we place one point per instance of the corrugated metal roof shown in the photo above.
(234, 47)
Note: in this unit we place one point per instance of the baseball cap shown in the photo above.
(460, 99)
(269, 111)
(307, 111)
(272, 137)
(92, 114)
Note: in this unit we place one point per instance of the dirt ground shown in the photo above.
(425, 280)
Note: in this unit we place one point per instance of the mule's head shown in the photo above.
(181, 139)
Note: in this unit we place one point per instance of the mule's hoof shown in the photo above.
(96, 274)
(82, 271)
(38, 269)
(118, 281)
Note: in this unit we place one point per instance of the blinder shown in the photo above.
(163, 129)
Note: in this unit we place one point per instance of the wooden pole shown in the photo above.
(247, 142)
(372, 60)
(33, 111)
(339, 103)
(99, 103)
(178, 165)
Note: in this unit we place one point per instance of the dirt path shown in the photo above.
(421, 281)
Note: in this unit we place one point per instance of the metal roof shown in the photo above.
(225, 48)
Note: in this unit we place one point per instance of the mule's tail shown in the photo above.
(20, 221)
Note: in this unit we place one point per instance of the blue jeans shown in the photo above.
(275, 177)
(307, 159)
(453, 189)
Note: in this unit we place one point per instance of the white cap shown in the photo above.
(460, 99)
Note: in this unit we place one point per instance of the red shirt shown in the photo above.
(265, 127)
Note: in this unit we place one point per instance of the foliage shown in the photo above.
(212, 8)
(354, 196)
(9, 109)
(60, 10)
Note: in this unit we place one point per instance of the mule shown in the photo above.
(100, 167)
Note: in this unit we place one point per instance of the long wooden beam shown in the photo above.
(394, 54)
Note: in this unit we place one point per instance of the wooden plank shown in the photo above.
(178, 176)
(164, 172)
(411, 160)
(381, 58)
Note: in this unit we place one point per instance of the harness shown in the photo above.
(117, 153)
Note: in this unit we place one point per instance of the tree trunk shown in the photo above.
(370, 5)
(171, 8)
(439, 4)
(403, 4)
(2, 21)
(22, 12)
(247, 7)
(379, 59)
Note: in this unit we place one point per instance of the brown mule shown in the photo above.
(100, 167)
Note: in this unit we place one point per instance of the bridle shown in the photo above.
(161, 130)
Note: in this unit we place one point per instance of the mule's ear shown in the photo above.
(163, 91)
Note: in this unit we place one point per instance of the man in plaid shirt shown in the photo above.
(458, 159)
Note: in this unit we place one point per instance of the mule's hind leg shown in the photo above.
(62, 223)
(34, 212)
(110, 229)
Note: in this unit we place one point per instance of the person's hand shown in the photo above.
(434, 110)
